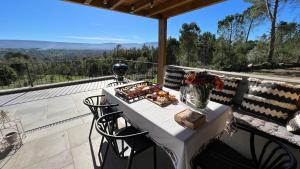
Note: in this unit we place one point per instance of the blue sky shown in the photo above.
(55, 20)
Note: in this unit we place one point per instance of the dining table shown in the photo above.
(182, 144)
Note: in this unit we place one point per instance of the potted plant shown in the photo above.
(11, 137)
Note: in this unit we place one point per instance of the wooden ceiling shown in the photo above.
(157, 9)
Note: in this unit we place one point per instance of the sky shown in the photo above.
(56, 20)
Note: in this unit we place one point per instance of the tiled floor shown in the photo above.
(42, 107)
(66, 146)
(25, 97)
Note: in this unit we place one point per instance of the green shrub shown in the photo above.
(7, 75)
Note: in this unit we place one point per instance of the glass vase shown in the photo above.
(199, 96)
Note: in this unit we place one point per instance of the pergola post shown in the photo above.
(162, 49)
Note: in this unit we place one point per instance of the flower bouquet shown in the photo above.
(197, 88)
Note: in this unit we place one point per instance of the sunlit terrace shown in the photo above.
(119, 113)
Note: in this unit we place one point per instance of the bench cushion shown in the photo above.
(275, 101)
(271, 128)
(293, 124)
(226, 95)
(173, 78)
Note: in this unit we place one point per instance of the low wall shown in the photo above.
(243, 75)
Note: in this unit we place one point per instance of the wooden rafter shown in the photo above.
(87, 2)
(117, 4)
(188, 7)
(167, 5)
(162, 8)
(141, 8)
(141, 5)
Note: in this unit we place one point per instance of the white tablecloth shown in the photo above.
(182, 144)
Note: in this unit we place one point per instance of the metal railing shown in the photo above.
(17, 75)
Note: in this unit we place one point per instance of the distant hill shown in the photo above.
(45, 45)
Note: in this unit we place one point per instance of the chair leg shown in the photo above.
(91, 129)
(101, 143)
(91, 144)
(154, 157)
(105, 156)
(130, 159)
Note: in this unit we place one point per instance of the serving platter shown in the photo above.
(162, 104)
(135, 92)
(168, 99)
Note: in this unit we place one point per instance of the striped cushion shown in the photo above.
(226, 95)
(173, 78)
(275, 101)
(293, 124)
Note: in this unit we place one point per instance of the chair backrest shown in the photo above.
(104, 127)
(116, 83)
(99, 105)
(94, 102)
(272, 154)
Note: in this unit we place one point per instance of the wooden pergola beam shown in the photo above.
(162, 49)
(167, 5)
(188, 7)
(141, 5)
(162, 8)
(117, 4)
(87, 2)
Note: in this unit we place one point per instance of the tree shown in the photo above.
(259, 53)
(207, 48)
(232, 28)
(17, 61)
(173, 50)
(270, 8)
(189, 39)
(287, 42)
(253, 16)
(220, 58)
(7, 75)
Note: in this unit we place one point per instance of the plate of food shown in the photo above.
(162, 98)
(135, 92)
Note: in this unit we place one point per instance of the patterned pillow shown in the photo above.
(226, 95)
(275, 101)
(173, 78)
(293, 124)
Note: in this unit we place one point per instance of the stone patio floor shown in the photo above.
(42, 107)
(62, 146)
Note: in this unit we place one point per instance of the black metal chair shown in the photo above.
(273, 155)
(116, 83)
(126, 142)
(99, 107)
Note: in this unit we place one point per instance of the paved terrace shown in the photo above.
(63, 145)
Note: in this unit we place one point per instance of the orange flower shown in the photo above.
(219, 84)
(190, 78)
